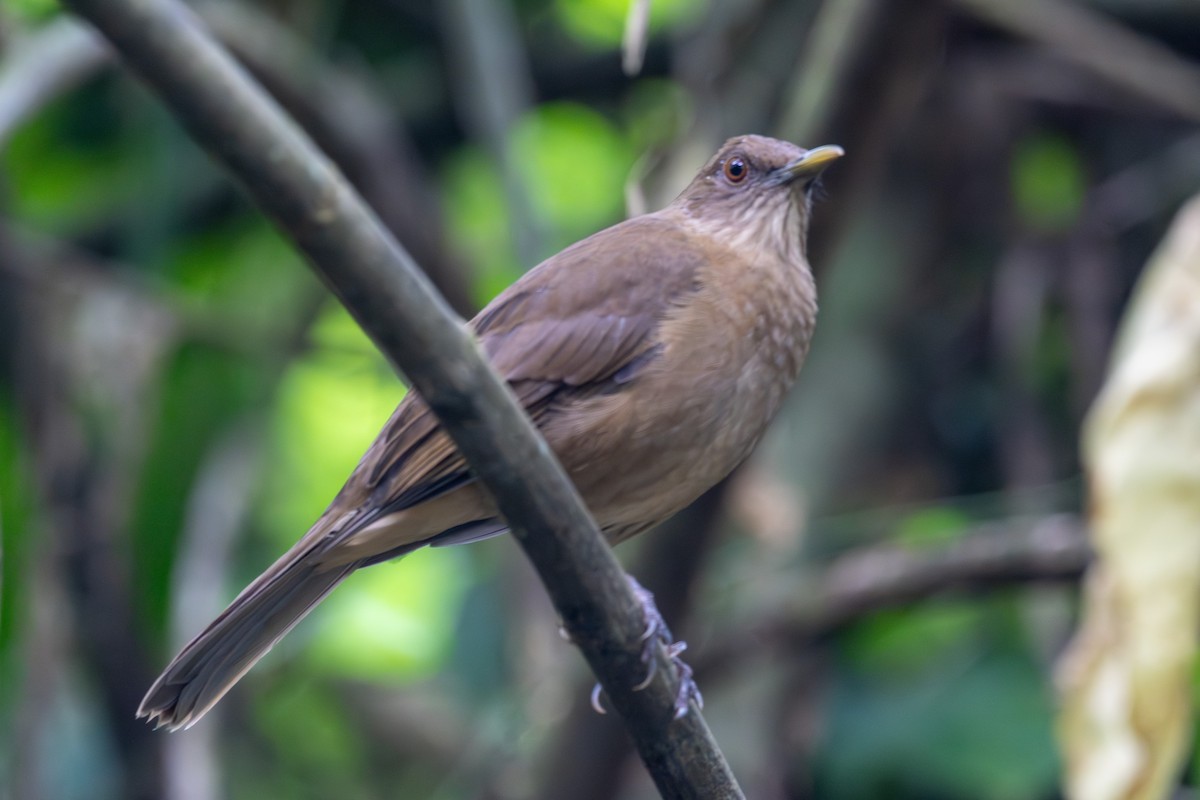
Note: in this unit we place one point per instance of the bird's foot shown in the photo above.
(657, 632)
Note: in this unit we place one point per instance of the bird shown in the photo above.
(651, 356)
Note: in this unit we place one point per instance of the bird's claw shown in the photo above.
(688, 689)
(657, 632)
(598, 699)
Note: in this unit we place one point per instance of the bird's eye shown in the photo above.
(736, 170)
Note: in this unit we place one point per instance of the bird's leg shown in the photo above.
(657, 631)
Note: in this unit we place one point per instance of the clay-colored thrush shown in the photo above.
(651, 355)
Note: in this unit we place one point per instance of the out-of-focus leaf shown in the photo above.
(476, 213)
(905, 641)
(64, 178)
(602, 22)
(393, 622)
(390, 621)
(575, 164)
(1048, 183)
(312, 735)
(332, 403)
(203, 391)
(1127, 679)
(34, 9)
(932, 526)
(240, 268)
(15, 495)
(964, 728)
(655, 112)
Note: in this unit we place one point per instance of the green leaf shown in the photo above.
(331, 404)
(1048, 183)
(392, 622)
(203, 392)
(932, 526)
(576, 163)
(601, 23)
(966, 728)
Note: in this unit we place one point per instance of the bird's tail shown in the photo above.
(258, 618)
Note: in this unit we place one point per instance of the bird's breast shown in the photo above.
(728, 355)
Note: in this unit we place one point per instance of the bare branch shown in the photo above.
(1102, 46)
(871, 580)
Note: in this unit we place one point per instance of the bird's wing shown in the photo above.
(586, 316)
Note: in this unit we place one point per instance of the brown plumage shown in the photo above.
(651, 355)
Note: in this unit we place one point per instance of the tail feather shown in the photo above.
(216, 659)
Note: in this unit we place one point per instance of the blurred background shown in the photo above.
(873, 604)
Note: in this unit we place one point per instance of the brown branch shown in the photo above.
(864, 582)
(1102, 46)
(301, 191)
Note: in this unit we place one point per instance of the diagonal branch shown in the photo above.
(1101, 45)
(303, 193)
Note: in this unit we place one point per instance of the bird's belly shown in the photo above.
(642, 455)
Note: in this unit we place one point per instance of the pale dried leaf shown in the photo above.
(1126, 680)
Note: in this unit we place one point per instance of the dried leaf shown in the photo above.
(1126, 680)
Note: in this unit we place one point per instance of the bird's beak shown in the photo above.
(811, 163)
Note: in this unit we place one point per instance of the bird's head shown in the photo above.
(757, 192)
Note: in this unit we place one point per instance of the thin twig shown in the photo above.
(303, 193)
(876, 578)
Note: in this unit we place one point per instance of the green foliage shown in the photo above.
(389, 622)
(310, 727)
(907, 641)
(961, 728)
(332, 401)
(32, 10)
(393, 622)
(600, 23)
(236, 269)
(203, 392)
(475, 210)
(1048, 182)
(16, 510)
(574, 163)
(656, 112)
(67, 171)
(935, 525)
